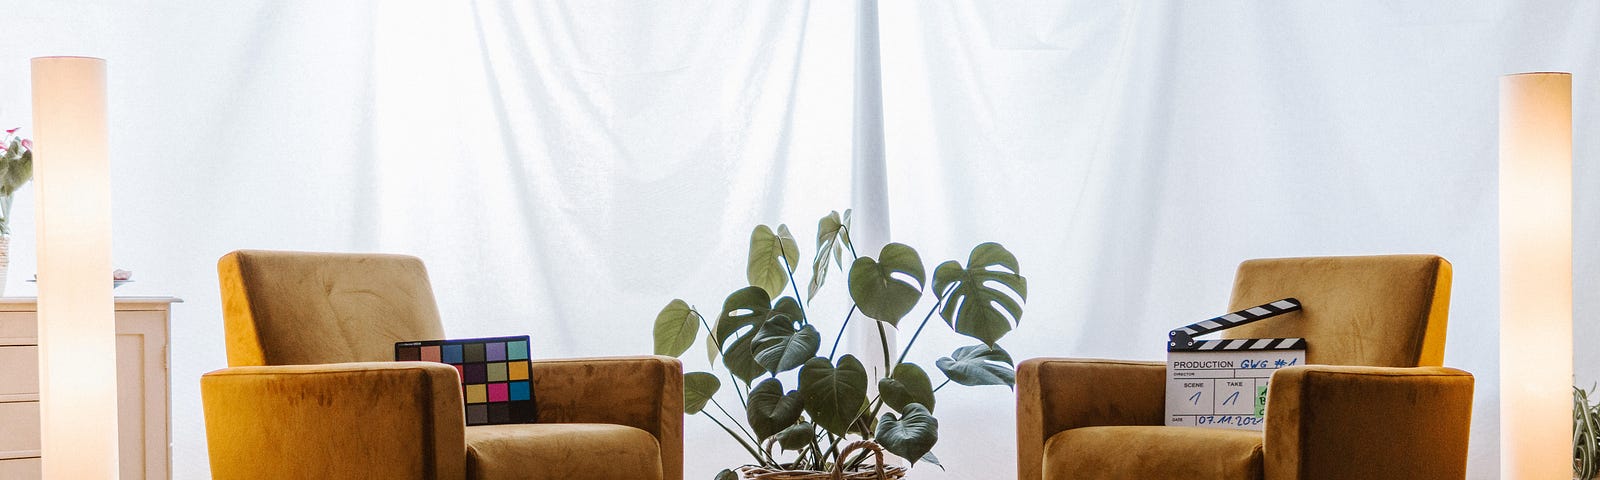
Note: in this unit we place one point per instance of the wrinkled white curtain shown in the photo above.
(566, 168)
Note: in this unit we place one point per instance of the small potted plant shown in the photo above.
(826, 420)
(16, 168)
(1585, 435)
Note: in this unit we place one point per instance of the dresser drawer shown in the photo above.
(19, 371)
(17, 327)
(20, 469)
(19, 428)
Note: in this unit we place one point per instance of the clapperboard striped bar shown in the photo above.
(1183, 338)
(1249, 344)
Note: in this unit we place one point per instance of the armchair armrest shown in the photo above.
(346, 420)
(1368, 422)
(645, 392)
(1059, 394)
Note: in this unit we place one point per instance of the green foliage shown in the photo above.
(879, 292)
(910, 436)
(770, 410)
(834, 395)
(772, 259)
(676, 328)
(763, 331)
(971, 298)
(16, 169)
(781, 346)
(833, 239)
(908, 384)
(1585, 435)
(979, 365)
(698, 387)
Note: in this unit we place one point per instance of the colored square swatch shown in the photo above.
(517, 350)
(476, 373)
(477, 394)
(494, 374)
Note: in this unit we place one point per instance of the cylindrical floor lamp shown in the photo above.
(77, 333)
(1536, 276)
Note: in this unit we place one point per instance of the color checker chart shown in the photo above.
(494, 375)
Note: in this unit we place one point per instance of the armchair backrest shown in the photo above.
(297, 308)
(1382, 311)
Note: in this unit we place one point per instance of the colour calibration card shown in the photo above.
(495, 382)
(1223, 383)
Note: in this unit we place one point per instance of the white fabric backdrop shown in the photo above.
(565, 168)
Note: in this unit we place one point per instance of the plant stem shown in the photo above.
(946, 382)
(736, 436)
(789, 269)
(735, 421)
(840, 336)
(924, 323)
(712, 336)
(816, 451)
(847, 245)
(833, 449)
(883, 339)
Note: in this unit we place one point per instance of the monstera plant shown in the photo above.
(765, 331)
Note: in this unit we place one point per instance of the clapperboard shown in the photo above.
(1223, 383)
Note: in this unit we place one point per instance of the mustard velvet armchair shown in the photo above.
(1372, 403)
(311, 391)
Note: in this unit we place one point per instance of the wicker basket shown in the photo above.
(877, 472)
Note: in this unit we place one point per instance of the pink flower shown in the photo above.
(14, 130)
(27, 144)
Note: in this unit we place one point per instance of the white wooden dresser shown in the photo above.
(142, 390)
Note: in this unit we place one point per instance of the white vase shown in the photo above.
(5, 261)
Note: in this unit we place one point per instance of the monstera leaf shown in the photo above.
(833, 395)
(676, 328)
(770, 411)
(887, 287)
(698, 387)
(726, 474)
(797, 436)
(833, 239)
(974, 303)
(746, 310)
(979, 365)
(781, 346)
(773, 257)
(910, 436)
(909, 384)
(745, 307)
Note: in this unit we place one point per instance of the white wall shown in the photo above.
(567, 170)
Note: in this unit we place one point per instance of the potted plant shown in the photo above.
(804, 428)
(1585, 435)
(16, 168)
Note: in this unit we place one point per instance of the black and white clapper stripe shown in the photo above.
(1249, 344)
(1183, 337)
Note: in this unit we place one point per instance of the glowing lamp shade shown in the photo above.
(1536, 276)
(77, 336)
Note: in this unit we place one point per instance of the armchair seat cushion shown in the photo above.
(562, 451)
(1151, 452)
